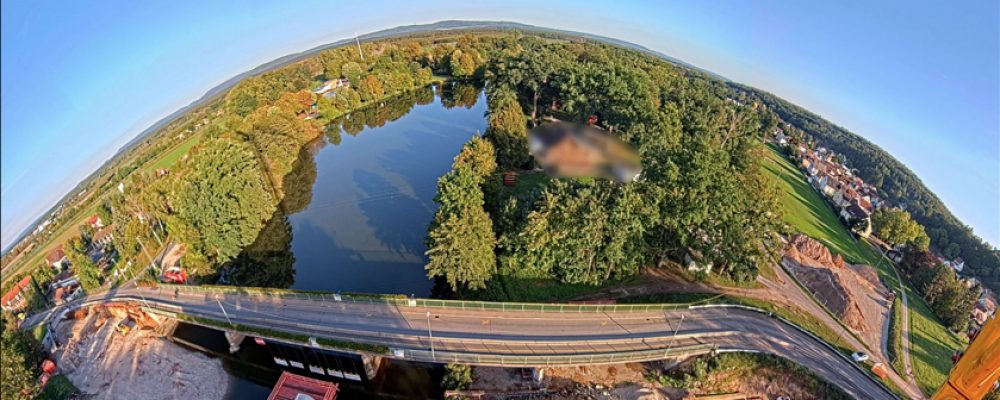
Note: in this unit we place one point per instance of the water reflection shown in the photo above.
(358, 203)
(269, 260)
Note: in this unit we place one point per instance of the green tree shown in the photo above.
(20, 357)
(896, 227)
(580, 233)
(221, 201)
(370, 88)
(463, 64)
(88, 273)
(352, 71)
(460, 241)
(479, 156)
(508, 129)
(457, 377)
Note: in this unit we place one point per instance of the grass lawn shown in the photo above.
(170, 157)
(895, 345)
(931, 345)
(58, 388)
(806, 211)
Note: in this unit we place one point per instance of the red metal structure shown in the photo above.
(175, 275)
(294, 387)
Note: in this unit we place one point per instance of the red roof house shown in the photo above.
(56, 257)
(297, 387)
(16, 298)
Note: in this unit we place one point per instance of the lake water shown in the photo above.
(354, 217)
(359, 199)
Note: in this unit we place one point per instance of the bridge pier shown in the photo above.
(372, 364)
(538, 374)
(234, 339)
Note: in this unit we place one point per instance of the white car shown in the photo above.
(859, 356)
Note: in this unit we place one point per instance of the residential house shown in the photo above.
(103, 236)
(957, 264)
(17, 298)
(694, 262)
(57, 258)
(95, 222)
(583, 151)
(980, 313)
(854, 213)
(780, 138)
(66, 294)
(331, 85)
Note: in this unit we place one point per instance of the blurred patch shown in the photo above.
(575, 151)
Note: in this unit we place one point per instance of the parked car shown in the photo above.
(860, 356)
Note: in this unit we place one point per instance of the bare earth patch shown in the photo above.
(104, 364)
(852, 292)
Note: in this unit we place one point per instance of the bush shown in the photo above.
(457, 377)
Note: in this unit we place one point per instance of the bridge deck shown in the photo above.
(495, 337)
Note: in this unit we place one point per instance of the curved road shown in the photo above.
(528, 334)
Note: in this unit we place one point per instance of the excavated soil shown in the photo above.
(104, 364)
(853, 293)
(611, 382)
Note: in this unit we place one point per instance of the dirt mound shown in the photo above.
(853, 293)
(803, 247)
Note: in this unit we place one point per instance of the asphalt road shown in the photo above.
(516, 333)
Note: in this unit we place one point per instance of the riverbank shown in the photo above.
(105, 364)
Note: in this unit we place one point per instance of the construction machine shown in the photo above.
(978, 368)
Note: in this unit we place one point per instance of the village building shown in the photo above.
(780, 139)
(18, 297)
(103, 237)
(332, 85)
(57, 258)
(95, 222)
(570, 150)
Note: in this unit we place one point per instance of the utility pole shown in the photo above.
(672, 338)
(143, 246)
(144, 302)
(358, 42)
(223, 310)
(431, 335)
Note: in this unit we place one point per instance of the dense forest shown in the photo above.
(895, 182)
(701, 191)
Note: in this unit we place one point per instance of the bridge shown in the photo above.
(495, 334)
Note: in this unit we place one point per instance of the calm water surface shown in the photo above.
(354, 217)
(373, 199)
(359, 201)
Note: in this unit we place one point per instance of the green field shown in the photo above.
(170, 157)
(931, 345)
(805, 211)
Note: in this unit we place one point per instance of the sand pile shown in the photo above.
(103, 364)
(853, 293)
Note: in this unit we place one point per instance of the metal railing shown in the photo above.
(552, 360)
(403, 301)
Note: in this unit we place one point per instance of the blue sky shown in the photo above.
(920, 79)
